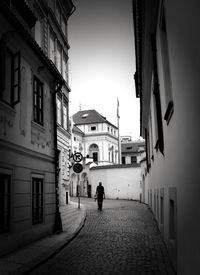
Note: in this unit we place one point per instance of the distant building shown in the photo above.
(33, 48)
(130, 151)
(95, 136)
(167, 42)
(125, 138)
(97, 140)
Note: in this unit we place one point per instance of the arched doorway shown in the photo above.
(94, 152)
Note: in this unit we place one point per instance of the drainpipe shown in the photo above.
(58, 223)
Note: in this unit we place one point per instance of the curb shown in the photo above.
(64, 239)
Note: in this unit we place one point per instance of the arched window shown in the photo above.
(93, 152)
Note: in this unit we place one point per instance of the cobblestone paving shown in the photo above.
(122, 239)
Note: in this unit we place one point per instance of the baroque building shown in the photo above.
(33, 77)
(98, 137)
(97, 140)
(167, 52)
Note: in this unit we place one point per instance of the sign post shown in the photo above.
(78, 168)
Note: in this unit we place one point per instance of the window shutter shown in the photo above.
(16, 78)
(157, 95)
(146, 148)
(2, 63)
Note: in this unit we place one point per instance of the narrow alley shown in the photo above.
(122, 239)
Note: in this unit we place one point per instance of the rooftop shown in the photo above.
(89, 117)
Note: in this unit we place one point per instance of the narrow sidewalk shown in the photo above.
(24, 260)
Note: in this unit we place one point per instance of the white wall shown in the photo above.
(121, 182)
(179, 166)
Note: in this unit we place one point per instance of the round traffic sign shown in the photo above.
(77, 157)
(78, 167)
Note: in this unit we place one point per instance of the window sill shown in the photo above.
(7, 108)
(37, 126)
(169, 112)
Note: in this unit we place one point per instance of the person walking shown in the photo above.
(100, 195)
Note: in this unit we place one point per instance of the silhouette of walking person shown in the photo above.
(100, 195)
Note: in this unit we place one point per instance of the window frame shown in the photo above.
(156, 92)
(15, 87)
(165, 65)
(93, 126)
(37, 200)
(64, 103)
(5, 202)
(38, 111)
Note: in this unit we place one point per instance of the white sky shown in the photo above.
(102, 61)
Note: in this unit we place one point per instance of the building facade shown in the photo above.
(29, 86)
(130, 151)
(100, 139)
(167, 82)
(97, 140)
(59, 12)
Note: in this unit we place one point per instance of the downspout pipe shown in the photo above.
(58, 224)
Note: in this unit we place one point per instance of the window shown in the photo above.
(62, 111)
(59, 110)
(9, 74)
(155, 202)
(65, 67)
(84, 116)
(156, 91)
(95, 156)
(37, 200)
(39, 32)
(133, 159)
(161, 210)
(93, 128)
(4, 202)
(65, 116)
(147, 146)
(123, 160)
(59, 57)
(171, 220)
(74, 138)
(52, 47)
(151, 137)
(38, 100)
(166, 67)
(151, 203)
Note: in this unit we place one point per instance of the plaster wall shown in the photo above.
(178, 168)
(119, 183)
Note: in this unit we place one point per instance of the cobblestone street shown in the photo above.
(122, 239)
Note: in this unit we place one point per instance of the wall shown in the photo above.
(176, 173)
(119, 181)
(27, 150)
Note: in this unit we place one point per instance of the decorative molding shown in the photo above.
(7, 116)
(38, 134)
(25, 151)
